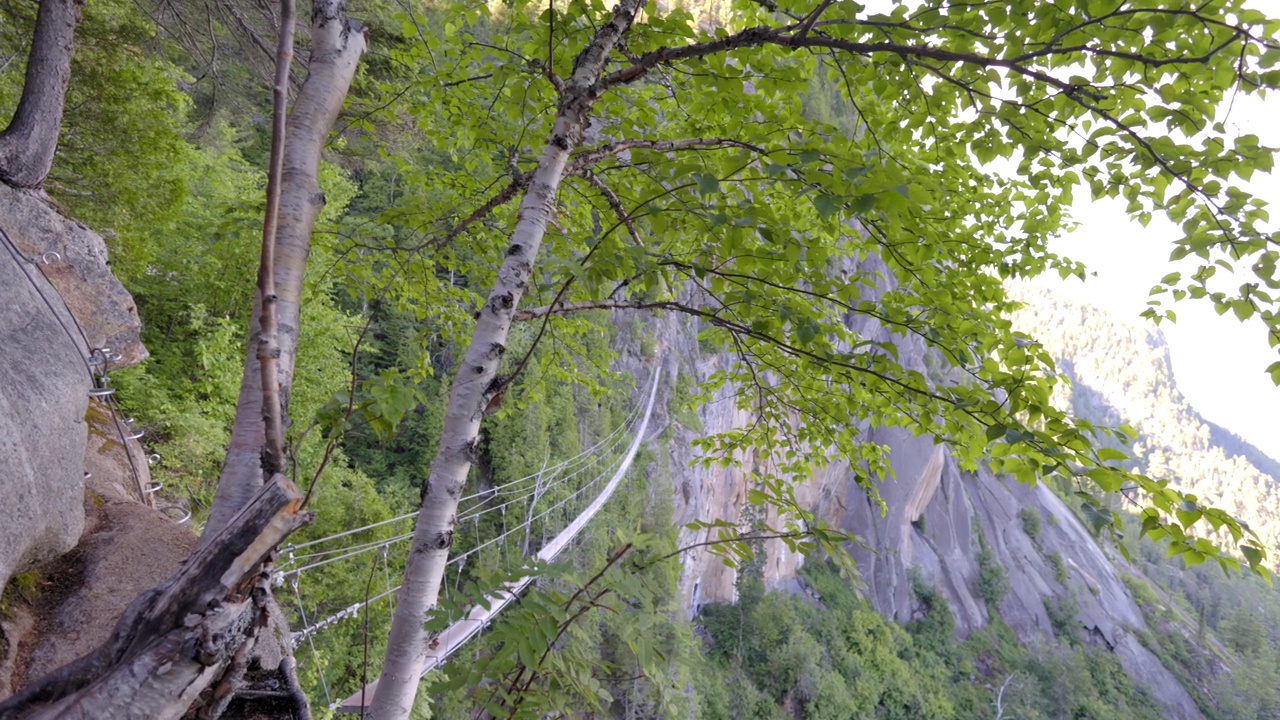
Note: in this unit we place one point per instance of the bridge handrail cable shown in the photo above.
(481, 614)
(588, 454)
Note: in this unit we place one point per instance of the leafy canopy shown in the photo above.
(817, 186)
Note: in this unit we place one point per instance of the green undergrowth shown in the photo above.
(22, 589)
(1218, 635)
(774, 655)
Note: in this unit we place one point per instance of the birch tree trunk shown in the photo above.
(189, 641)
(28, 145)
(476, 380)
(268, 342)
(337, 43)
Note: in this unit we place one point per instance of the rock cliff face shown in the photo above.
(938, 522)
(55, 283)
(1049, 557)
(60, 303)
(42, 429)
(77, 265)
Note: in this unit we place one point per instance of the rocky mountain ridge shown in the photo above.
(950, 529)
(1120, 371)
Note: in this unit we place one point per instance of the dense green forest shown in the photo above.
(163, 151)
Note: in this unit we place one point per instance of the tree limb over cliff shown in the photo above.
(28, 144)
(782, 231)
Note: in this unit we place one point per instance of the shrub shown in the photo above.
(24, 588)
(1030, 522)
(1064, 617)
(993, 581)
(1059, 567)
(934, 628)
(683, 406)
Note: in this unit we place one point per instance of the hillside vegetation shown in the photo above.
(163, 152)
(1120, 372)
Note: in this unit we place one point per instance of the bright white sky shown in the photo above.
(1218, 362)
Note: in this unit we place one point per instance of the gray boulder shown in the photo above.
(81, 271)
(44, 386)
(55, 284)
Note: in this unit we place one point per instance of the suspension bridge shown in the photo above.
(534, 517)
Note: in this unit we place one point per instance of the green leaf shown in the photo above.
(1254, 556)
(708, 184)
(1188, 518)
(1112, 454)
(853, 173)
(1096, 517)
(827, 205)
(1107, 479)
(863, 203)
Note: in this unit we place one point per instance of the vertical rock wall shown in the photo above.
(935, 521)
(55, 284)
(43, 397)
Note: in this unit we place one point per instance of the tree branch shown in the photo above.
(590, 156)
(563, 308)
(724, 541)
(268, 340)
(793, 36)
(29, 143)
(615, 204)
(807, 25)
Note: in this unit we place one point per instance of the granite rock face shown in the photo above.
(80, 271)
(936, 521)
(1028, 532)
(44, 386)
(54, 277)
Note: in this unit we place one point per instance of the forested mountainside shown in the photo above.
(1014, 572)
(824, 364)
(1120, 372)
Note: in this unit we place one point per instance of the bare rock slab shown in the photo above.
(44, 386)
(80, 271)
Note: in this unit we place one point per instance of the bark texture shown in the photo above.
(174, 641)
(27, 146)
(337, 43)
(268, 342)
(476, 380)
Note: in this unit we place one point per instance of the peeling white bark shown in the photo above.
(476, 380)
(453, 637)
(268, 319)
(337, 44)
